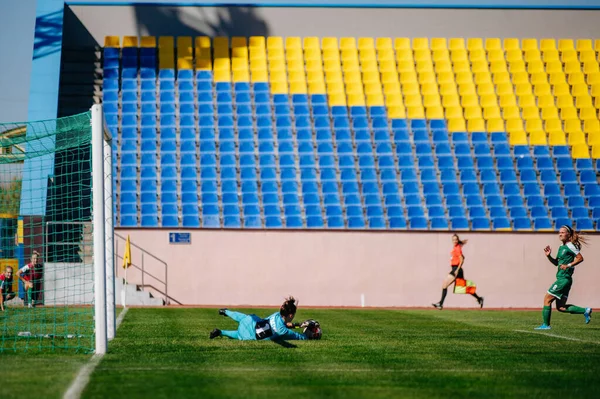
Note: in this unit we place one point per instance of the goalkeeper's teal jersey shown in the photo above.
(280, 330)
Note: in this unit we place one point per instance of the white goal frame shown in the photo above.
(103, 231)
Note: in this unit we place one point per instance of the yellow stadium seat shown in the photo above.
(590, 126)
(473, 112)
(317, 87)
(448, 88)
(431, 100)
(565, 44)
(459, 55)
(338, 99)
(572, 125)
(474, 44)
(597, 102)
(112, 41)
(480, 66)
(550, 56)
(462, 67)
(293, 42)
(371, 76)
(394, 100)
(513, 125)
(451, 101)
(517, 138)
(219, 42)
(404, 55)
(278, 76)
(239, 64)
(402, 43)
(568, 113)
(457, 125)
(554, 67)
(538, 138)
(348, 43)
(587, 56)
(405, 66)
(495, 125)
(258, 42)
(456, 44)
(564, 100)
(511, 44)
(539, 77)
(508, 100)
(386, 55)
(517, 78)
(517, 66)
(523, 89)
(526, 101)
(469, 101)
(426, 77)
(375, 100)
(424, 66)
(408, 77)
(514, 56)
(531, 112)
(238, 41)
(588, 113)
(259, 75)
(241, 75)
(491, 113)
(532, 125)
(476, 125)
(422, 55)
(296, 75)
(311, 42)
(434, 113)
(596, 150)
(486, 89)
(496, 56)
(277, 65)
(595, 90)
(420, 43)
(466, 89)
(547, 44)
(549, 113)
(590, 67)
(557, 78)
(369, 65)
(383, 43)
(557, 138)
(478, 55)
(445, 77)
(553, 125)
(387, 66)
(568, 56)
(332, 65)
(439, 55)
(483, 78)
(410, 88)
(464, 77)
(493, 43)
(413, 100)
(488, 100)
(572, 67)
(438, 43)
(583, 99)
(529, 44)
(542, 89)
(372, 88)
(331, 55)
(444, 67)
(536, 66)
(222, 75)
(356, 100)
(593, 138)
(396, 112)
(576, 138)
(132, 41)
(330, 43)
(274, 43)
(580, 151)
(454, 113)
(312, 54)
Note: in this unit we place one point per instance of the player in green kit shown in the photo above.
(567, 258)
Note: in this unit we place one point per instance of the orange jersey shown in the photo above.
(455, 255)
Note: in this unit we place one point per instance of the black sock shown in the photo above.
(444, 292)
(477, 297)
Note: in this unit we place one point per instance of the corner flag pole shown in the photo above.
(126, 264)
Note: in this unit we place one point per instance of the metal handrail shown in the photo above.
(144, 272)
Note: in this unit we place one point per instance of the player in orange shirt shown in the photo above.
(456, 262)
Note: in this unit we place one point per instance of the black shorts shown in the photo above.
(460, 272)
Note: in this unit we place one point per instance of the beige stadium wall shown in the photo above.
(385, 269)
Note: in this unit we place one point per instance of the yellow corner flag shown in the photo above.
(127, 256)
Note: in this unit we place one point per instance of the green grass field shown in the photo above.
(166, 353)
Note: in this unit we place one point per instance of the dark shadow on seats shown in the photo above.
(199, 21)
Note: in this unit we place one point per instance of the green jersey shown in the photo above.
(566, 254)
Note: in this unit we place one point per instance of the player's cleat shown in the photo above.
(543, 327)
(215, 333)
(480, 302)
(222, 312)
(588, 315)
(438, 306)
(30, 306)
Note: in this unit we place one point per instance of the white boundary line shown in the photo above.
(556, 336)
(83, 377)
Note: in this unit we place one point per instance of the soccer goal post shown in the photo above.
(56, 235)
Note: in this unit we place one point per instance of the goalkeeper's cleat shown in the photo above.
(588, 315)
(543, 327)
(215, 333)
(222, 312)
(438, 305)
(480, 302)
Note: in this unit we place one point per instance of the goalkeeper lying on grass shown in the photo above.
(275, 327)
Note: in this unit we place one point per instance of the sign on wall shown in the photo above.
(180, 238)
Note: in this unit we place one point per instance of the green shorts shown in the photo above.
(560, 289)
